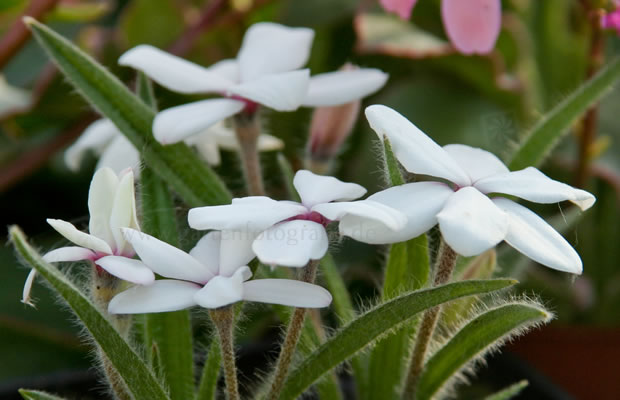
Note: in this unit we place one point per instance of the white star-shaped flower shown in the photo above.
(214, 274)
(291, 234)
(471, 216)
(267, 71)
(116, 152)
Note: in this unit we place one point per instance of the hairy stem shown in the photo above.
(443, 272)
(224, 320)
(293, 333)
(247, 129)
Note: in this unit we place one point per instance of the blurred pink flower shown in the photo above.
(472, 25)
(612, 19)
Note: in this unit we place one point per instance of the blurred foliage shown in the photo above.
(542, 54)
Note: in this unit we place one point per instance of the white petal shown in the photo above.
(282, 92)
(531, 184)
(476, 162)
(292, 243)
(341, 87)
(178, 123)
(532, 236)
(69, 253)
(166, 260)
(420, 202)
(417, 152)
(226, 139)
(270, 48)
(101, 194)
(123, 212)
(162, 296)
(315, 189)
(119, 156)
(388, 216)
(173, 72)
(228, 69)
(286, 292)
(222, 291)
(206, 144)
(127, 269)
(26, 298)
(95, 137)
(235, 251)
(207, 251)
(470, 223)
(70, 232)
(253, 214)
(269, 143)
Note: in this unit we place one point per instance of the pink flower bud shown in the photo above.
(402, 8)
(472, 25)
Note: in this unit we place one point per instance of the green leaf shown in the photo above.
(37, 395)
(481, 334)
(509, 392)
(176, 164)
(207, 389)
(375, 323)
(144, 90)
(392, 167)
(135, 374)
(543, 137)
(341, 303)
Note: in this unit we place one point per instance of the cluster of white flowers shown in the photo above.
(462, 199)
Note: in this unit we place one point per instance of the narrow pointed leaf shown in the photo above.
(37, 395)
(484, 332)
(176, 164)
(391, 167)
(144, 90)
(509, 392)
(131, 368)
(207, 390)
(341, 302)
(543, 137)
(370, 326)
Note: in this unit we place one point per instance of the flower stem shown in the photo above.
(224, 318)
(293, 333)
(443, 272)
(248, 129)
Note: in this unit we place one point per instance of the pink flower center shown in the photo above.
(250, 106)
(311, 216)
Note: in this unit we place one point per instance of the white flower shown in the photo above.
(289, 233)
(112, 206)
(117, 153)
(214, 274)
(266, 72)
(471, 218)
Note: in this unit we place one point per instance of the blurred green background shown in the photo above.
(489, 102)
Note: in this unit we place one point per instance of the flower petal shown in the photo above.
(402, 8)
(270, 48)
(178, 123)
(282, 92)
(341, 87)
(120, 155)
(207, 251)
(472, 26)
(419, 201)
(253, 214)
(531, 184)
(70, 232)
(417, 152)
(228, 69)
(477, 163)
(286, 292)
(235, 251)
(162, 296)
(315, 189)
(292, 243)
(385, 215)
(166, 260)
(95, 137)
(26, 298)
(222, 291)
(124, 213)
(127, 269)
(532, 236)
(101, 194)
(69, 253)
(471, 223)
(173, 72)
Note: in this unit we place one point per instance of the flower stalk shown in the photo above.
(224, 318)
(291, 339)
(247, 129)
(443, 272)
